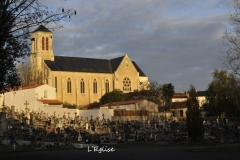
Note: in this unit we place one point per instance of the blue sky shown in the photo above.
(172, 41)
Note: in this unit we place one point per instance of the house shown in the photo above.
(202, 97)
(179, 107)
(132, 110)
(33, 98)
(140, 104)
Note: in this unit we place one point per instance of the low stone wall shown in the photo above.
(130, 113)
(129, 118)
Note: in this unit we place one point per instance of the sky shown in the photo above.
(172, 41)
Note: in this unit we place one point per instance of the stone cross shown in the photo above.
(26, 104)
(103, 116)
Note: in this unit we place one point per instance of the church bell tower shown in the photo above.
(42, 49)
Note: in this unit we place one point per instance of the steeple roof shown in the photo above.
(41, 28)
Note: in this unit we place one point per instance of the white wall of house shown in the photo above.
(201, 100)
(18, 98)
(179, 99)
(45, 92)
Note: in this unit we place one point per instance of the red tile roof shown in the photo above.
(123, 102)
(30, 87)
(50, 101)
(179, 95)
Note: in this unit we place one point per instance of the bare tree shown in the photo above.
(24, 70)
(231, 40)
(29, 75)
(18, 18)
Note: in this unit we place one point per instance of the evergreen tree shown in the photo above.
(167, 95)
(114, 96)
(194, 117)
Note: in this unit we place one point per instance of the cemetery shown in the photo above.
(40, 130)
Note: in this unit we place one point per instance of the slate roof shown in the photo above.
(115, 63)
(91, 65)
(202, 93)
(138, 69)
(42, 29)
(76, 64)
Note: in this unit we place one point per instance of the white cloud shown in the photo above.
(172, 41)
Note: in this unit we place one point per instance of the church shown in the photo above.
(81, 81)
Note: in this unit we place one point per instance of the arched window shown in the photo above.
(126, 84)
(82, 86)
(42, 43)
(56, 83)
(47, 43)
(95, 86)
(107, 86)
(69, 86)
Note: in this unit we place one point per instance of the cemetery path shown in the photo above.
(162, 153)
